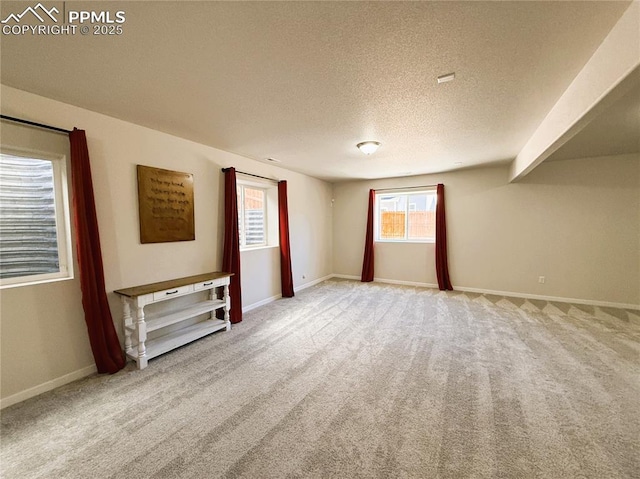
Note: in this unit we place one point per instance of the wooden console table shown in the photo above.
(136, 325)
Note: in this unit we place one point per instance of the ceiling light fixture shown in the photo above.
(368, 147)
(446, 78)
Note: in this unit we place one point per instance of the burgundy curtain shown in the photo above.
(231, 254)
(442, 268)
(367, 263)
(286, 276)
(102, 335)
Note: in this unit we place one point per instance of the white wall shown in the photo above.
(576, 222)
(116, 147)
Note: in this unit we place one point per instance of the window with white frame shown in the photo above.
(405, 216)
(252, 215)
(35, 235)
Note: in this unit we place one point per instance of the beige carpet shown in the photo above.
(358, 380)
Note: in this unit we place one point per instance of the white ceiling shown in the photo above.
(304, 82)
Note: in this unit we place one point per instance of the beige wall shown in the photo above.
(116, 147)
(41, 321)
(576, 222)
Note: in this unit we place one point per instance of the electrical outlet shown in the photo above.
(541, 279)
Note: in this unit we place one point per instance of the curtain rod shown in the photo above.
(33, 123)
(251, 174)
(405, 188)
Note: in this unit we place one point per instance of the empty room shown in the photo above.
(320, 239)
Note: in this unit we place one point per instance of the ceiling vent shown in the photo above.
(446, 78)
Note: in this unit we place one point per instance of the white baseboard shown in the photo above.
(405, 283)
(510, 294)
(47, 386)
(344, 276)
(559, 299)
(388, 281)
(261, 303)
(278, 296)
(312, 283)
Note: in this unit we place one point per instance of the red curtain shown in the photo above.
(442, 268)
(105, 345)
(231, 254)
(367, 263)
(286, 276)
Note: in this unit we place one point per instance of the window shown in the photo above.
(35, 238)
(257, 214)
(252, 216)
(404, 216)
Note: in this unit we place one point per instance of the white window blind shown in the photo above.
(33, 224)
(252, 216)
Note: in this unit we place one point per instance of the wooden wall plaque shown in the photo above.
(165, 203)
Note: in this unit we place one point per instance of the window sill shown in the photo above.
(256, 248)
(35, 282)
(406, 241)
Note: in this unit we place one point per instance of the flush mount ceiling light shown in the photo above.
(446, 78)
(368, 147)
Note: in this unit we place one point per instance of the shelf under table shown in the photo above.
(163, 344)
(167, 319)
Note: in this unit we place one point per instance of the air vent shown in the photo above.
(446, 78)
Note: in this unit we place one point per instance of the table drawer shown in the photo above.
(169, 293)
(212, 283)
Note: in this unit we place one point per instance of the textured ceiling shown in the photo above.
(304, 82)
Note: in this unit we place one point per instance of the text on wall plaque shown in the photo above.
(165, 203)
